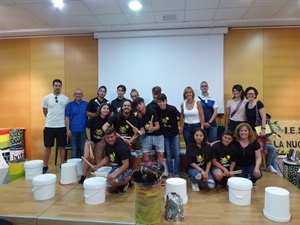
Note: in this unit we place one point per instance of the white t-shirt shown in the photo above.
(240, 115)
(56, 106)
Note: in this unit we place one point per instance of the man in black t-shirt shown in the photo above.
(94, 103)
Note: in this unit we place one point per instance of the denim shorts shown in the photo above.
(122, 176)
(157, 141)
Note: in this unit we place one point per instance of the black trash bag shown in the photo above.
(148, 173)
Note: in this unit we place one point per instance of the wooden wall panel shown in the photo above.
(282, 73)
(243, 60)
(15, 86)
(81, 58)
(47, 62)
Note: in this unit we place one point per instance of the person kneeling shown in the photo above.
(118, 155)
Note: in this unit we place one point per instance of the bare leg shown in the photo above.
(145, 156)
(86, 155)
(62, 153)
(160, 157)
(99, 151)
(47, 153)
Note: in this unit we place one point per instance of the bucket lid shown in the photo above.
(277, 191)
(71, 164)
(176, 181)
(94, 182)
(239, 183)
(74, 160)
(33, 163)
(103, 171)
(44, 179)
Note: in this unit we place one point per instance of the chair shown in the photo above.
(68, 147)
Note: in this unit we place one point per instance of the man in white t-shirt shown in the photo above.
(54, 106)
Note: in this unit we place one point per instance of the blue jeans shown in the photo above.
(271, 157)
(248, 171)
(77, 143)
(189, 131)
(209, 184)
(211, 133)
(173, 151)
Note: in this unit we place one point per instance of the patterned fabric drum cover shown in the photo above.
(16, 139)
(290, 171)
(4, 139)
(17, 155)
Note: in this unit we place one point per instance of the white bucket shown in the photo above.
(177, 185)
(239, 190)
(78, 163)
(277, 204)
(94, 190)
(44, 186)
(33, 168)
(68, 173)
(103, 171)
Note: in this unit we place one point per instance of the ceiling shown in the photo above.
(19, 18)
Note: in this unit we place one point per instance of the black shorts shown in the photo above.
(55, 133)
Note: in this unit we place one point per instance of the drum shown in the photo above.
(290, 171)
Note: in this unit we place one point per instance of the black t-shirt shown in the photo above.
(121, 126)
(94, 104)
(168, 121)
(197, 155)
(224, 154)
(95, 124)
(251, 113)
(153, 105)
(246, 156)
(116, 104)
(146, 119)
(117, 153)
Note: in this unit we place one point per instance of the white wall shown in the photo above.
(170, 62)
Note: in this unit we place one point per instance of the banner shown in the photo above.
(288, 134)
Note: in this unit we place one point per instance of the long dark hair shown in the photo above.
(100, 107)
(239, 88)
(204, 146)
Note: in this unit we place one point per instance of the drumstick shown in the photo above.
(235, 172)
(91, 153)
(151, 121)
(87, 161)
(133, 127)
(120, 136)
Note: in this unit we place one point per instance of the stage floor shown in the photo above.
(17, 205)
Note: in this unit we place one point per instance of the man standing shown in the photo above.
(76, 123)
(116, 104)
(117, 154)
(54, 106)
(94, 103)
(210, 109)
(155, 92)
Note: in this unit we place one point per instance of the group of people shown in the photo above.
(107, 131)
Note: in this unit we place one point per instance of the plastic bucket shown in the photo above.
(277, 204)
(103, 171)
(44, 186)
(68, 173)
(239, 190)
(177, 185)
(94, 190)
(33, 168)
(78, 163)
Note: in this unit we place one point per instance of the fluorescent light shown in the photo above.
(58, 3)
(135, 5)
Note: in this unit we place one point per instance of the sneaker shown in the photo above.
(45, 169)
(271, 169)
(254, 185)
(195, 187)
(123, 189)
(82, 178)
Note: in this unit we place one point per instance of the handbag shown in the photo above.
(258, 124)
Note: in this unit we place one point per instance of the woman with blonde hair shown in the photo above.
(248, 153)
(192, 116)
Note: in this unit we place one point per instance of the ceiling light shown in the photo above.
(135, 5)
(58, 3)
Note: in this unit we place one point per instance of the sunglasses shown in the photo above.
(56, 99)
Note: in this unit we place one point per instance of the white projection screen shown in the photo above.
(172, 63)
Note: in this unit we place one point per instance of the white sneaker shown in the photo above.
(195, 187)
(271, 169)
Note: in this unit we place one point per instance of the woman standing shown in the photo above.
(199, 158)
(94, 135)
(256, 116)
(248, 153)
(235, 108)
(192, 116)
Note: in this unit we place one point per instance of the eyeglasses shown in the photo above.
(250, 93)
(56, 99)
